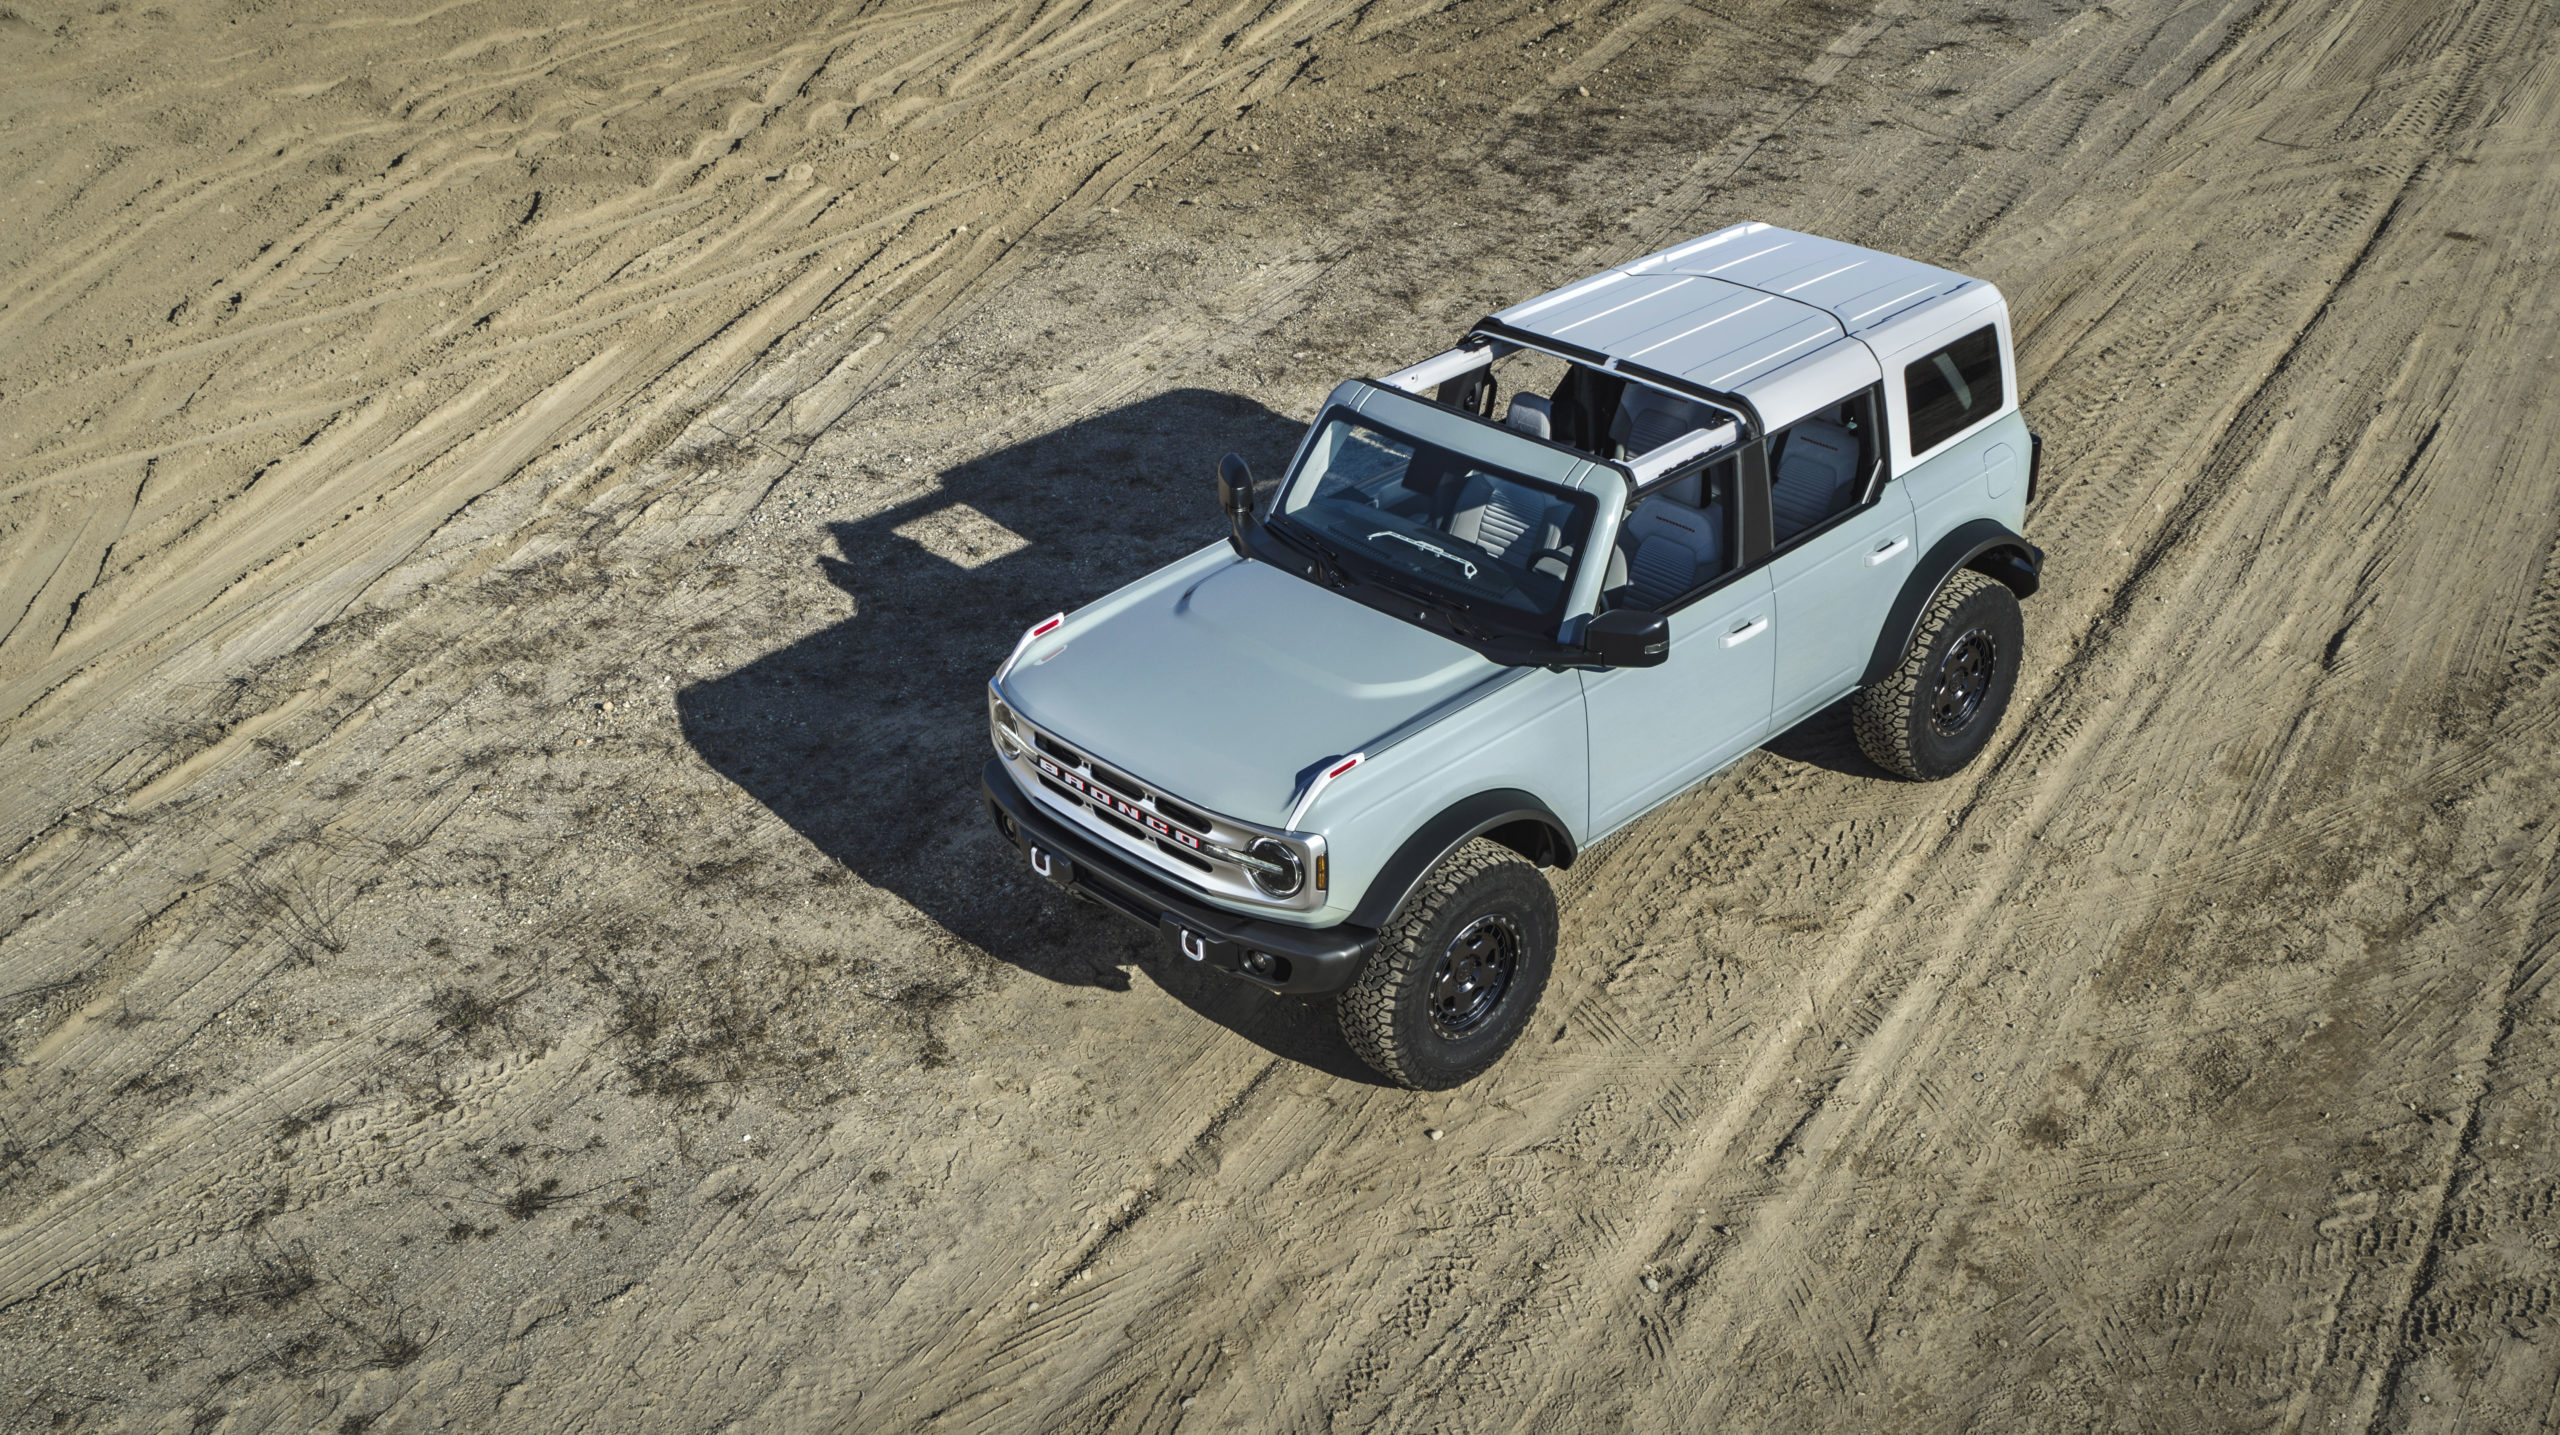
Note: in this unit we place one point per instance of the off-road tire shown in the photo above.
(1387, 1013)
(1902, 721)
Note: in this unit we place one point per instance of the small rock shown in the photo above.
(1434, 1133)
(1582, 90)
(1035, 1307)
(893, 156)
(1651, 1284)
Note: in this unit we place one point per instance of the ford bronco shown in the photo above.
(1463, 639)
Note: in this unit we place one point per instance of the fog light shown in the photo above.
(1258, 964)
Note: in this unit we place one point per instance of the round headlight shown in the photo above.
(1279, 872)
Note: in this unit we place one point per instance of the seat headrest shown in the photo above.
(1531, 415)
(1822, 434)
(1649, 418)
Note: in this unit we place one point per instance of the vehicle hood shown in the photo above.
(1225, 683)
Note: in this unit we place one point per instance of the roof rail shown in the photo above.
(1734, 403)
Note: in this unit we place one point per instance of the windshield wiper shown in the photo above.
(1295, 536)
(1434, 549)
(1452, 611)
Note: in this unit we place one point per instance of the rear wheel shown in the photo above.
(1457, 972)
(1937, 710)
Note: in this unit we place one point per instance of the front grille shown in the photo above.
(1185, 857)
(1122, 783)
(1133, 831)
(1126, 828)
(1175, 812)
(1125, 812)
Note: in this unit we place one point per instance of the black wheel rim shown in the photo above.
(1474, 973)
(1963, 679)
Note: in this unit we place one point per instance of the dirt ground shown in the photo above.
(506, 513)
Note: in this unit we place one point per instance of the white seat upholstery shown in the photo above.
(1532, 415)
(1504, 519)
(1816, 472)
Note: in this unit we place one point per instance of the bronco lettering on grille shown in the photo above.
(1120, 806)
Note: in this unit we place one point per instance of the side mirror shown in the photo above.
(1625, 638)
(1235, 499)
(1235, 486)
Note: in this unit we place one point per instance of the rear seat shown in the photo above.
(1649, 418)
(1814, 475)
(1531, 415)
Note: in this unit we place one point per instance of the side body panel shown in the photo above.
(1528, 735)
(1958, 482)
(1831, 592)
(1654, 731)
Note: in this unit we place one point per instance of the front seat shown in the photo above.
(1506, 520)
(1669, 549)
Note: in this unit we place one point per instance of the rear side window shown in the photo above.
(1952, 388)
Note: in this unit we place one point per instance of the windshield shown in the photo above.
(1451, 526)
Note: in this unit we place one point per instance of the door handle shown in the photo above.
(1746, 632)
(1890, 549)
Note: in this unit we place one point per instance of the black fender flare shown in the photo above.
(1516, 819)
(1985, 545)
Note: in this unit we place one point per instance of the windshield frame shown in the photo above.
(1401, 586)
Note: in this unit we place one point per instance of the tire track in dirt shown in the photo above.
(1718, 1147)
(1793, 964)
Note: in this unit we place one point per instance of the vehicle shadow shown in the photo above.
(1828, 740)
(867, 737)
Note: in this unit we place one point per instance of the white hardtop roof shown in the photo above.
(1751, 310)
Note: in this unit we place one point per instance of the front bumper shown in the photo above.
(1308, 960)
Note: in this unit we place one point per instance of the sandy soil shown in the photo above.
(505, 512)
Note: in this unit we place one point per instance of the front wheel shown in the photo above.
(1936, 711)
(1457, 971)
